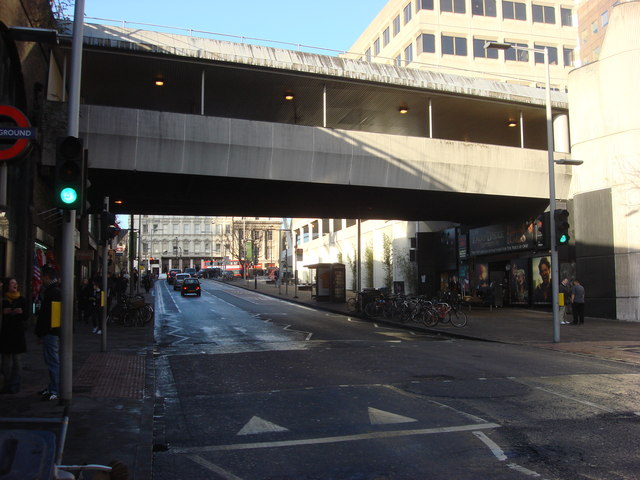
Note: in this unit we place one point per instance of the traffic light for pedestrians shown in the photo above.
(543, 232)
(561, 218)
(69, 174)
(108, 226)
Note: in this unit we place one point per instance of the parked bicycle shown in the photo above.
(131, 311)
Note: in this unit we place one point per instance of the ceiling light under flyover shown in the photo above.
(159, 82)
(512, 123)
(289, 96)
(403, 109)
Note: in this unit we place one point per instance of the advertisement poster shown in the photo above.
(518, 282)
(541, 273)
(481, 277)
(463, 275)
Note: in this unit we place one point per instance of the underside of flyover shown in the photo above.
(164, 194)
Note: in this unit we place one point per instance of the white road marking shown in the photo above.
(562, 395)
(499, 454)
(258, 425)
(213, 468)
(495, 449)
(380, 417)
(337, 439)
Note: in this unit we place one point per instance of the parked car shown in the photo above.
(172, 275)
(190, 286)
(191, 271)
(178, 279)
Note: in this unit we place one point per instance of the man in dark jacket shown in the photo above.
(48, 331)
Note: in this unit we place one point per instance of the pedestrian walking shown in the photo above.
(94, 307)
(565, 290)
(84, 300)
(577, 302)
(48, 333)
(12, 336)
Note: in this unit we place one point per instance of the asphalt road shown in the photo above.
(251, 387)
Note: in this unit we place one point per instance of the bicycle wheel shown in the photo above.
(370, 309)
(147, 313)
(458, 318)
(387, 309)
(352, 305)
(429, 317)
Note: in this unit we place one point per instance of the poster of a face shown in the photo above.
(518, 282)
(541, 272)
(481, 276)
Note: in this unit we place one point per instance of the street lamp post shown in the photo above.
(552, 182)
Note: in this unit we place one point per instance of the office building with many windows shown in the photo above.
(448, 36)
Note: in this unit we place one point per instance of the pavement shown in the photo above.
(112, 409)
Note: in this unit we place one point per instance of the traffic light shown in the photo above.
(69, 174)
(108, 226)
(561, 218)
(543, 232)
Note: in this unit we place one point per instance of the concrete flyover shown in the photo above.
(193, 157)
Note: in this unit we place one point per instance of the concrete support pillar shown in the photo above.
(561, 133)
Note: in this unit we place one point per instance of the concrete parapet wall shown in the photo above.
(140, 140)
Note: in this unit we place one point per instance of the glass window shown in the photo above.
(351, 222)
(337, 224)
(407, 14)
(454, 45)
(455, 6)
(196, 228)
(376, 47)
(367, 55)
(604, 19)
(408, 54)
(424, 5)
(543, 14)
(485, 8)
(186, 228)
(398, 64)
(176, 228)
(396, 25)
(566, 17)
(386, 37)
(517, 55)
(426, 43)
(594, 27)
(514, 10)
(567, 56)
(480, 52)
(553, 55)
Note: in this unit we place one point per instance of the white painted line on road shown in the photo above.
(499, 454)
(380, 417)
(307, 338)
(526, 471)
(495, 449)
(213, 468)
(471, 417)
(562, 395)
(259, 425)
(337, 439)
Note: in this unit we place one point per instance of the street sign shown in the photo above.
(22, 132)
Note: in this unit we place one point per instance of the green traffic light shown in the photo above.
(68, 195)
(563, 239)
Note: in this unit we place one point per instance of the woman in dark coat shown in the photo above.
(12, 336)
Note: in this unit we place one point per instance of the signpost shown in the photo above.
(23, 133)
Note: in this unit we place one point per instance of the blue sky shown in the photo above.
(331, 24)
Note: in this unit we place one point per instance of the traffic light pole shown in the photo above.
(105, 283)
(555, 284)
(69, 225)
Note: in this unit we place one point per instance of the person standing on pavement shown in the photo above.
(565, 289)
(94, 307)
(577, 303)
(12, 339)
(47, 333)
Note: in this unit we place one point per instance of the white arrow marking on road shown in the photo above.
(380, 417)
(258, 425)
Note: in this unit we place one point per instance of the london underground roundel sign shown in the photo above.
(22, 133)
